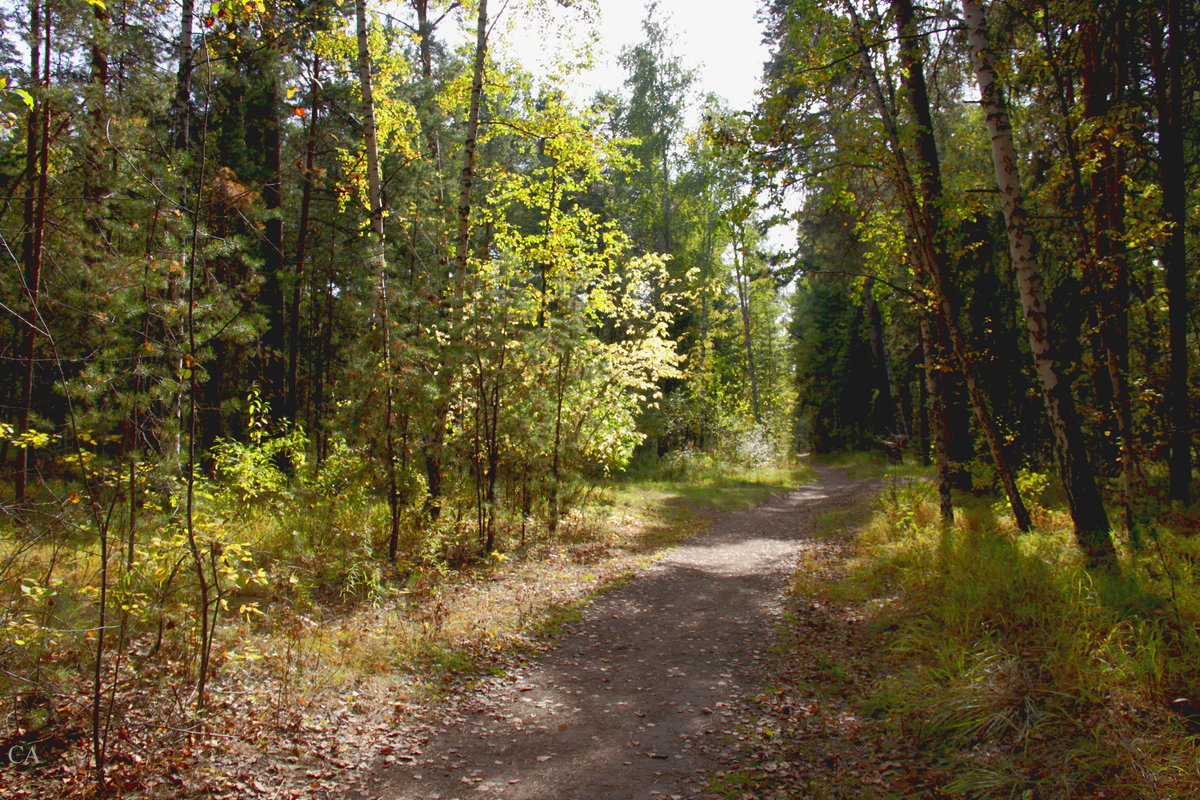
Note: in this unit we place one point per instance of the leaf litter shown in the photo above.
(667, 685)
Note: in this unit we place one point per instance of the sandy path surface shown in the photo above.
(638, 698)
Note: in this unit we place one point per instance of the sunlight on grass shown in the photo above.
(1022, 673)
(724, 490)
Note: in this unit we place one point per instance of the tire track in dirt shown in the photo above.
(638, 697)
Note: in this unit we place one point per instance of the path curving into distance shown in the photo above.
(638, 697)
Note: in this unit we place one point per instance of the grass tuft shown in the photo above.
(1020, 673)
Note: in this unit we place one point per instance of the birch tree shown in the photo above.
(1083, 496)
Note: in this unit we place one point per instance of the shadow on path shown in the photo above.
(639, 696)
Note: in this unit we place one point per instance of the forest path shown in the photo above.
(638, 696)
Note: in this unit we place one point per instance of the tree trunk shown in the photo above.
(466, 182)
(430, 122)
(179, 116)
(706, 269)
(1169, 86)
(435, 452)
(379, 256)
(555, 465)
(182, 108)
(743, 290)
(543, 267)
(923, 420)
(272, 293)
(95, 170)
(189, 420)
(1087, 510)
(1108, 271)
(370, 135)
(665, 155)
(883, 410)
(37, 167)
(930, 227)
(935, 384)
(492, 412)
(925, 220)
(291, 402)
(939, 416)
(425, 30)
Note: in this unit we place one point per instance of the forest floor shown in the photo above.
(674, 684)
(732, 642)
(701, 670)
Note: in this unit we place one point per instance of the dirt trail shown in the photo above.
(637, 698)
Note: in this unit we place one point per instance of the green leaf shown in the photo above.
(26, 96)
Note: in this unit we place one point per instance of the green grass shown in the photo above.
(733, 784)
(726, 490)
(1017, 670)
(861, 465)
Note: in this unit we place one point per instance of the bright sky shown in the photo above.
(721, 39)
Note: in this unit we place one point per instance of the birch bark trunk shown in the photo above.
(1087, 510)
(928, 212)
(925, 221)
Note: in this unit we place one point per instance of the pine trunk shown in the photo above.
(378, 256)
(935, 383)
(291, 401)
(37, 166)
(182, 107)
(1174, 256)
(1108, 265)
(928, 215)
(435, 453)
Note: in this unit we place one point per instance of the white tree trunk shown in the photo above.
(1087, 510)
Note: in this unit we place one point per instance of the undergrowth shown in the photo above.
(1021, 673)
(311, 613)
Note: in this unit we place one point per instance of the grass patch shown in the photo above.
(839, 523)
(732, 784)
(729, 489)
(860, 465)
(1018, 672)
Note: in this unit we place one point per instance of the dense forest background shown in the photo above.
(308, 232)
(311, 294)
